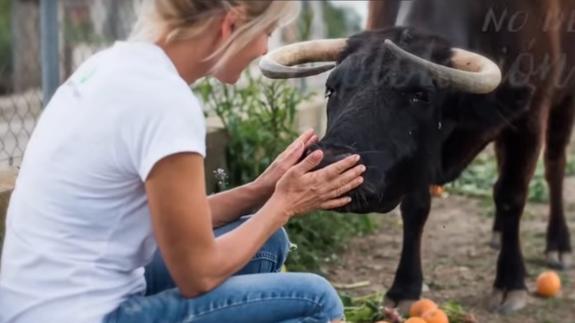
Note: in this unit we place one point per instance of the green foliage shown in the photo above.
(364, 309)
(368, 309)
(304, 22)
(478, 179)
(259, 119)
(319, 236)
(5, 41)
(340, 22)
(456, 313)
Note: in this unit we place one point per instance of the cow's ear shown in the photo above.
(488, 110)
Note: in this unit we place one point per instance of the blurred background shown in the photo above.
(43, 42)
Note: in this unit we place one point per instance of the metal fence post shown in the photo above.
(49, 48)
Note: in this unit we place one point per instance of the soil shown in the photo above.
(458, 263)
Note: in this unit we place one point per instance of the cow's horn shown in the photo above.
(472, 72)
(279, 63)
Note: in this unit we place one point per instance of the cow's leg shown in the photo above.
(495, 242)
(558, 249)
(408, 280)
(517, 148)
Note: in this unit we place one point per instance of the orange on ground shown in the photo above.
(421, 306)
(435, 316)
(436, 190)
(415, 320)
(548, 284)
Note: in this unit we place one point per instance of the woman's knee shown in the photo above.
(271, 256)
(329, 303)
(279, 244)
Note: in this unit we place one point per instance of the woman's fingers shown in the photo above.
(335, 203)
(334, 170)
(312, 140)
(304, 138)
(345, 182)
(296, 148)
(311, 161)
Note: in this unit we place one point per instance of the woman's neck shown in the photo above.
(189, 56)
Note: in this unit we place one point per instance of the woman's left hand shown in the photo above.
(266, 182)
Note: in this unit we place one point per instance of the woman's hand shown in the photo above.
(300, 191)
(266, 182)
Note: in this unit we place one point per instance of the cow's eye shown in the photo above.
(329, 92)
(418, 97)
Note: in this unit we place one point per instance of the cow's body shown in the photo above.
(534, 42)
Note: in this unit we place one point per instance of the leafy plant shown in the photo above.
(363, 309)
(259, 122)
(456, 313)
(478, 179)
(259, 119)
(340, 22)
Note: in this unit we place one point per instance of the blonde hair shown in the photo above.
(185, 19)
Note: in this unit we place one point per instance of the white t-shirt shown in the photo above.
(78, 226)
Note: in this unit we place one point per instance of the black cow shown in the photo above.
(414, 127)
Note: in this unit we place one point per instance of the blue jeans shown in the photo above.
(257, 293)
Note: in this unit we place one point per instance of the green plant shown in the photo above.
(479, 177)
(259, 122)
(456, 313)
(340, 22)
(321, 235)
(363, 309)
(259, 119)
(5, 44)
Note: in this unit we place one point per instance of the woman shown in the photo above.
(115, 168)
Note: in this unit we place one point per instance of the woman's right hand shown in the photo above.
(301, 190)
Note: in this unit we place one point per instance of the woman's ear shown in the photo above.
(229, 23)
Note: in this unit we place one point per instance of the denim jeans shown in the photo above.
(257, 293)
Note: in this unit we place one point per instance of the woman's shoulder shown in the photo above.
(145, 65)
(138, 75)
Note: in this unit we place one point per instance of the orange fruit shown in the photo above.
(435, 316)
(436, 190)
(548, 284)
(415, 320)
(421, 306)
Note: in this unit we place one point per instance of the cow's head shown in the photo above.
(396, 105)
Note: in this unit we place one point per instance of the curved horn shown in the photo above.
(473, 73)
(278, 64)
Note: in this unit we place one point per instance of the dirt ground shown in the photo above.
(458, 264)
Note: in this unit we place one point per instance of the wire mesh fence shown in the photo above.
(84, 27)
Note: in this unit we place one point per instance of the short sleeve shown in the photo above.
(168, 127)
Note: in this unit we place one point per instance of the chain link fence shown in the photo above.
(83, 27)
